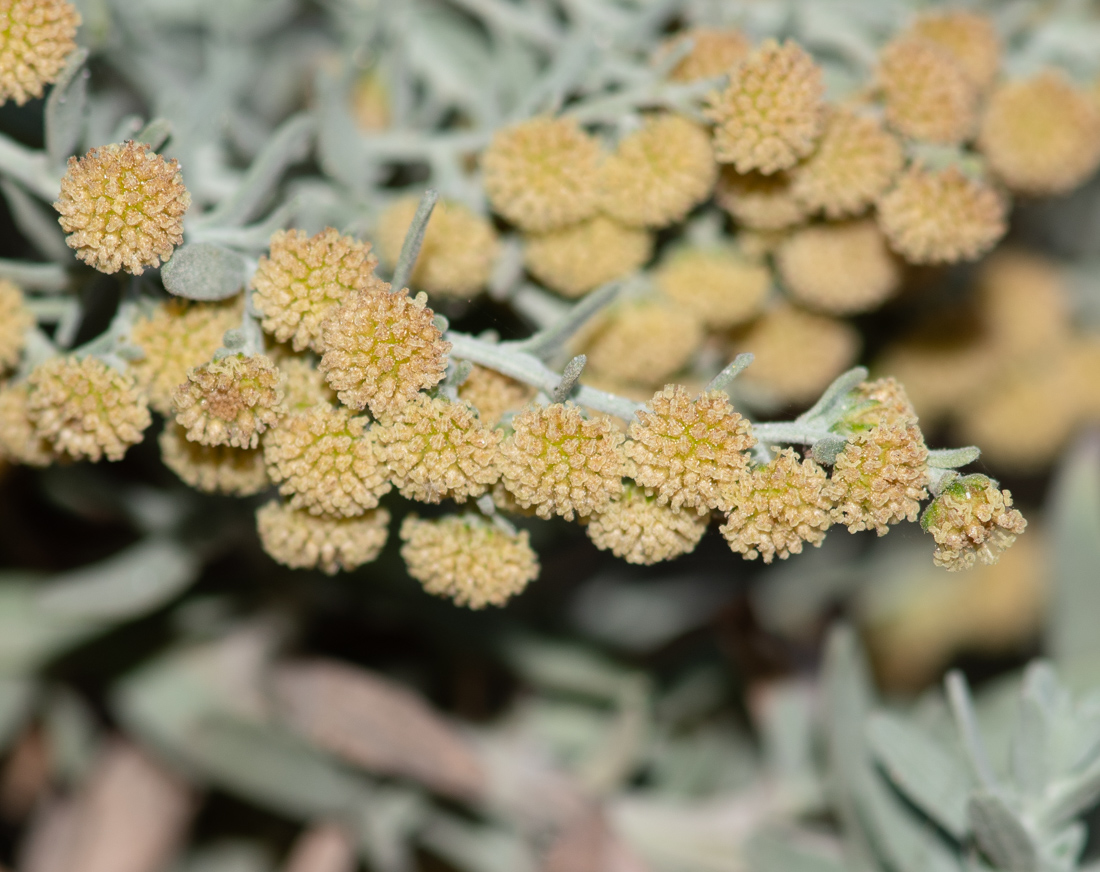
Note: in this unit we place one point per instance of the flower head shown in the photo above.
(560, 462)
(303, 541)
(776, 507)
(305, 383)
(122, 206)
(969, 37)
(927, 92)
(574, 260)
(972, 521)
(760, 202)
(541, 174)
(36, 38)
(468, 559)
(435, 448)
(303, 278)
(638, 529)
(717, 285)
(714, 51)
(381, 349)
(326, 461)
(15, 320)
(1023, 301)
(19, 440)
(879, 403)
(770, 115)
(230, 401)
(86, 409)
(645, 341)
(687, 451)
(215, 469)
(493, 394)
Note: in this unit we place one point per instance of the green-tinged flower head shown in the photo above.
(15, 320)
(640, 530)
(214, 469)
(972, 521)
(20, 442)
(230, 401)
(879, 403)
(36, 38)
(303, 541)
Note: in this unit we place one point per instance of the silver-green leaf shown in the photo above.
(204, 271)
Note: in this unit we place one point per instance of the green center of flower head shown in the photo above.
(964, 489)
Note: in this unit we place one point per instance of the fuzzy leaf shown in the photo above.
(1030, 748)
(908, 844)
(777, 852)
(1001, 835)
(1072, 795)
(65, 108)
(204, 271)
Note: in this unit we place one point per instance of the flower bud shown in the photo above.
(972, 521)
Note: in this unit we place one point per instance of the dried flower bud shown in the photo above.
(972, 521)
(176, 336)
(305, 383)
(86, 409)
(215, 469)
(687, 451)
(304, 541)
(718, 285)
(468, 559)
(928, 94)
(559, 462)
(326, 461)
(879, 479)
(638, 529)
(840, 269)
(493, 394)
(658, 173)
(646, 341)
(15, 320)
(879, 403)
(304, 278)
(855, 162)
(760, 202)
(381, 349)
(230, 401)
(1041, 136)
(36, 38)
(541, 174)
(435, 448)
(714, 52)
(969, 37)
(776, 507)
(941, 216)
(122, 206)
(1023, 301)
(19, 440)
(770, 115)
(576, 259)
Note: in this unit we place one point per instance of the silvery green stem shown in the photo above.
(37, 349)
(45, 277)
(414, 238)
(516, 19)
(724, 379)
(938, 479)
(30, 168)
(790, 432)
(51, 309)
(409, 145)
(548, 342)
(610, 109)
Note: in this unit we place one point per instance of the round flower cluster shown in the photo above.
(718, 285)
(760, 202)
(15, 320)
(214, 469)
(640, 530)
(714, 52)
(575, 260)
(972, 521)
(230, 401)
(36, 39)
(493, 395)
(928, 94)
(303, 541)
(643, 342)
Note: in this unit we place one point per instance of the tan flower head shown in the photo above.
(638, 529)
(658, 173)
(541, 174)
(576, 259)
(1042, 135)
(36, 38)
(879, 479)
(714, 52)
(304, 541)
(493, 394)
(856, 160)
(777, 507)
(879, 403)
(941, 216)
(435, 448)
(928, 94)
(303, 278)
(717, 285)
(645, 341)
(559, 462)
(230, 401)
(770, 115)
(176, 336)
(19, 440)
(381, 349)
(15, 320)
(1023, 301)
(969, 37)
(760, 202)
(214, 469)
(972, 521)
(459, 251)
(686, 450)
(326, 461)
(840, 268)
(86, 409)
(122, 206)
(305, 383)
(468, 559)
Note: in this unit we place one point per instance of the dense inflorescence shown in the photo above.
(972, 521)
(36, 39)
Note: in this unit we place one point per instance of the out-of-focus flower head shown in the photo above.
(19, 440)
(644, 341)
(969, 37)
(230, 401)
(493, 394)
(575, 260)
(714, 52)
(718, 284)
(760, 202)
(215, 469)
(638, 529)
(927, 92)
(303, 541)
(15, 320)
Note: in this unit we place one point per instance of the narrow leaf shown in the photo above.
(906, 843)
(1030, 748)
(65, 108)
(835, 393)
(1001, 835)
(204, 271)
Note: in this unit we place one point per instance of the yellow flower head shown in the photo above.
(541, 174)
(687, 451)
(776, 507)
(15, 320)
(304, 541)
(574, 260)
(19, 440)
(326, 461)
(304, 278)
(760, 202)
(644, 342)
(658, 173)
(459, 250)
(941, 216)
(435, 448)
(122, 206)
(717, 285)
(770, 115)
(1041, 136)
(879, 479)
(230, 401)
(969, 37)
(559, 462)
(972, 521)
(305, 383)
(214, 469)
(714, 52)
(856, 160)
(493, 394)
(1023, 301)
(381, 349)
(638, 529)
(841, 268)
(468, 559)
(86, 409)
(928, 94)
(36, 38)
